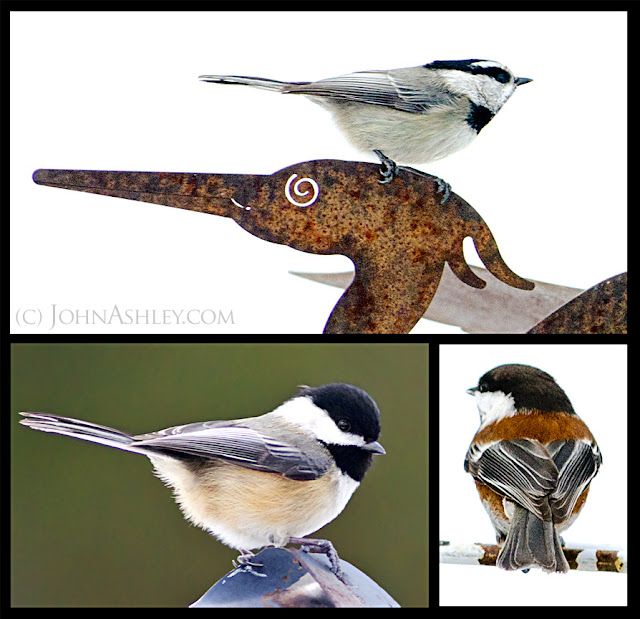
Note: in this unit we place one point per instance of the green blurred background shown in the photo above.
(91, 526)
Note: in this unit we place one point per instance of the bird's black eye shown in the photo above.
(344, 425)
(498, 74)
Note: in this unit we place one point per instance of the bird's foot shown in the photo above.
(389, 170)
(323, 546)
(245, 560)
(388, 167)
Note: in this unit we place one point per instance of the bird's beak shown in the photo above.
(523, 80)
(472, 391)
(375, 448)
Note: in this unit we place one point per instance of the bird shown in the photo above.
(532, 460)
(260, 481)
(413, 115)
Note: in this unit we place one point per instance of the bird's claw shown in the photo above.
(244, 560)
(389, 170)
(443, 187)
(388, 167)
(323, 546)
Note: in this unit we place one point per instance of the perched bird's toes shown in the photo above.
(388, 167)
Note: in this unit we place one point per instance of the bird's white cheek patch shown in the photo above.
(302, 412)
(493, 406)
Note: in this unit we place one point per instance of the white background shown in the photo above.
(595, 379)
(119, 91)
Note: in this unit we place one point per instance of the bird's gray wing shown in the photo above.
(410, 90)
(578, 462)
(520, 469)
(241, 445)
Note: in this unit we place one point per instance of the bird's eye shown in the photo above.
(344, 425)
(498, 74)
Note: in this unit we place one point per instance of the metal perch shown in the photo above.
(588, 558)
(292, 578)
(398, 235)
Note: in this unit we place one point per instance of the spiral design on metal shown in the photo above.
(296, 190)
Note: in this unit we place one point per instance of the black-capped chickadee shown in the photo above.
(259, 481)
(411, 116)
(532, 459)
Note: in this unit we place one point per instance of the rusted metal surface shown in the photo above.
(292, 578)
(601, 309)
(497, 308)
(398, 235)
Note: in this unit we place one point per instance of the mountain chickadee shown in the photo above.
(413, 115)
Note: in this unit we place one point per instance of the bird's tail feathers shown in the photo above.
(256, 82)
(77, 428)
(530, 542)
